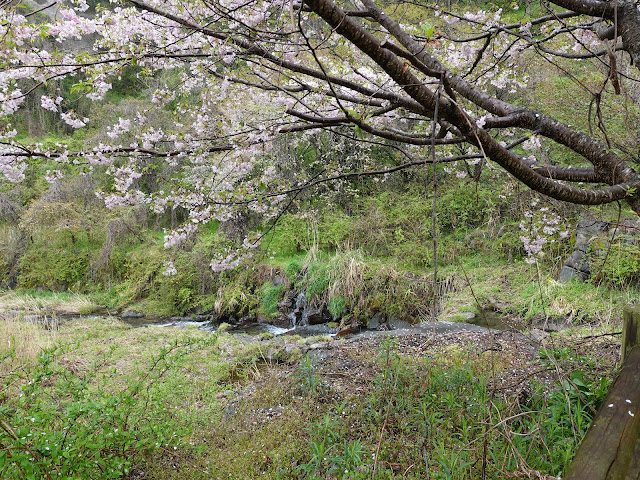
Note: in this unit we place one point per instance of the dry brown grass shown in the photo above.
(26, 340)
(58, 303)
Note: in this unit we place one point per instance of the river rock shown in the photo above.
(495, 305)
(469, 317)
(131, 314)
(288, 302)
(281, 321)
(376, 321)
(397, 324)
(313, 316)
(539, 336)
(247, 320)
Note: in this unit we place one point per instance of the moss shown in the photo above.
(223, 327)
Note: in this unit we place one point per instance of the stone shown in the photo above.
(396, 324)
(280, 321)
(539, 336)
(45, 321)
(496, 305)
(131, 314)
(247, 320)
(577, 265)
(551, 324)
(591, 226)
(314, 316)
(567, 274)
(575, 260)
(376, 321)
(468, 317)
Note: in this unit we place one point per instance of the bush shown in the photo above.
(620, 267)
(45, 266)
(58, 426)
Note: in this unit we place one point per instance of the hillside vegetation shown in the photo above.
(92, 397)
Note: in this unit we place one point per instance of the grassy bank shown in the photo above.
(97, 399)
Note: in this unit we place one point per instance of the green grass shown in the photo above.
(189, 404)
(516, 287)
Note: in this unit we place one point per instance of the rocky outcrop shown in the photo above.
(592, 238)
(577, 265)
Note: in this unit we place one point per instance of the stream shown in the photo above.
(256, 329)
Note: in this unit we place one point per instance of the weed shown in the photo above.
(84, 432)
(307, 376)
(270, 297)
(622, 266)
(330, 453)
(292, 270)
(337, 306)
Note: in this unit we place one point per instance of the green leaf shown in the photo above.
(428, 29)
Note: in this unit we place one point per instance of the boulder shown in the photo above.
(376, 321)
(577, 265)
(314, 316)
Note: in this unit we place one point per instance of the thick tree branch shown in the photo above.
(626, 179)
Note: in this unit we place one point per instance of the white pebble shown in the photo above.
(632, 414)
(610, 405)
(628, 401)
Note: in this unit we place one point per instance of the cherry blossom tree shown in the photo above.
(432, 85)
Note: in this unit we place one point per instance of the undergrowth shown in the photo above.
(59, 423)
(444, 421)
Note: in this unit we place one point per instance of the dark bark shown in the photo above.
(608, 167)
(407, 62)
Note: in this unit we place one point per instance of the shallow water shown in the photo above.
(256, 329)
(252, 329)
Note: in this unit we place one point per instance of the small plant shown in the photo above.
(620, 267)
(307, 375)
(331, 454)
(270, 298)
(337, 306)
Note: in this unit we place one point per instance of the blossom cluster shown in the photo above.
(179, 236)
(540, 227)
(233, 258)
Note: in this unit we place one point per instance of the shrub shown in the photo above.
(620, 267)
(44, 266)
(58, 426)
